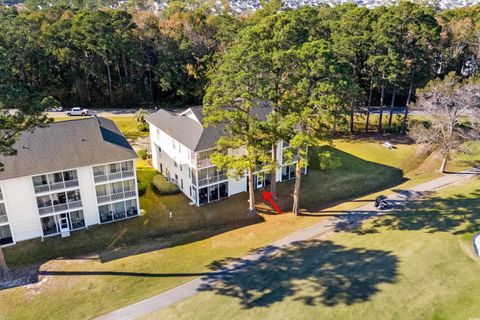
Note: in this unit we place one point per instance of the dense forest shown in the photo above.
(86, 55)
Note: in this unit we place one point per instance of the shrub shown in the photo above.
(163, 186)
(143, 127)
(142, 154)
(142, 187)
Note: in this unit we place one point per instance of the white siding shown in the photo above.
(88, 195)
(22, 208)
(237, 186)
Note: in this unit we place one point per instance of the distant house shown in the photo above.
(66, 177)
(181, 149)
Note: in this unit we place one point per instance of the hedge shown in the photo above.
(142, 154)
(163, 186)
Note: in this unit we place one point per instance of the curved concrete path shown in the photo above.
(184, 291)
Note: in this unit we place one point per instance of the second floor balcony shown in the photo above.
(114, 171)
(213, 179)
(116, 196)
(60, 207)
(55, 181)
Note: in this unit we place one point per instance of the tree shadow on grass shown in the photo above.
(313, 272)
(355, 178)
(458, 214)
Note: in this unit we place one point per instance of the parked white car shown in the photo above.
(78, 112)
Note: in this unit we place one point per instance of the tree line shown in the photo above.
(309, 72)
(92, 54)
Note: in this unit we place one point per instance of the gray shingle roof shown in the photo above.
(189, 132)
(67, 145)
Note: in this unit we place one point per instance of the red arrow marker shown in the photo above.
(268, 196)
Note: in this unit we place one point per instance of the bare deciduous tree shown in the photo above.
(452, 107)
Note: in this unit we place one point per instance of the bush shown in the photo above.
(142, 154)
(142, 187)
(143, 127)
(163, 186)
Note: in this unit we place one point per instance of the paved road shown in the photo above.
(319, 230)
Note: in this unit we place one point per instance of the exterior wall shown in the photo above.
(165, 155)
(237, 186)
(88, 195)
(20, 202)
(171, 161)
(21, 206)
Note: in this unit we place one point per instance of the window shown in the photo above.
(175, 163)
(117, 187)
(190, 191)
(176, 178)
(114, 167)
(73, 195)
(40, 180)
(70, 175)
(127, 166)
(159, 149)
(174, 144)
(129, 185)
(44, 201)
(181, 183)
(179, 148)
(76, 219)
(102, 190)
(49, 226)
(181, 167)
(99, 171)
(161, 168)
(105, 213)
(189, 172)
(5, 235)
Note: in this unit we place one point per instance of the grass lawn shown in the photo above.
(415, 264)
(106, 267)
(128, 125)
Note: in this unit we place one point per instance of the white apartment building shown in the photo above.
(66, 177)
(181, 149)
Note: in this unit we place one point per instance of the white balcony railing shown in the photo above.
(114, 176)
(214, 179)
(60, 207)
(56, 186)
(116, 196)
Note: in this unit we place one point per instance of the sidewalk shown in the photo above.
(399, 198)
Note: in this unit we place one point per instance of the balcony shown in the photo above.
(1, 196)
(210, 180)
(3, 219)
(56, 186)
(60, 207)
(114, 176)
(116, 196)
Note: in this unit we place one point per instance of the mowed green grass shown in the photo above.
(128, 125)
(418, 263)
(87, 263)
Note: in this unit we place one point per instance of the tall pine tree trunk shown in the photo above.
(382, 96)
(273, 174)
(352, 117)
(109, 74)
(3, 265)
(369, 104)
(296, 189)
(392, 105)
(409, 97)
(251, 193)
